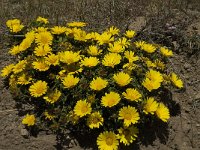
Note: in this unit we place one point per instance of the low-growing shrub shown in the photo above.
(109, 82)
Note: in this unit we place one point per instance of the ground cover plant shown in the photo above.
(110, 82)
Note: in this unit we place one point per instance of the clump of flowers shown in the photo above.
(108, 82)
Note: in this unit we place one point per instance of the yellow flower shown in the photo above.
(69, 57)
(43, 20)
(98, 84)
(150, 106)
(16, 28)
(111, 59)
(40, 29)
(71, 31)
(130, 34)
(130, 66)
(107, 141)
(176, 81)
(48, 115)
(58, 30)
(20, 66)
(105, 38)
(15, 50)
(7, 70)
(95, 120)
(29, 120)
(30, 36)
(132, 94)
(42, 50)
(38, 89)
(148, 48)
(116, 47)
(154, 75)
(14, 25)
(80, 36)
(70, 81)
(82, 108)
(139, 44)
(113, 31)
(122, 79)
(92, 36)
(25, 44)
(76, 24)
(93, 50)
(162, 112)
(150, 84)
(110, 99)
(130, 56)
(44, 38)
(12, 22)
(52, 59)
(24, 79)
(40, 65)
(129, 115)
(159, 64)
(52, 97)
(166, 52)
(123, 42)
(127, 135)
(90, 62)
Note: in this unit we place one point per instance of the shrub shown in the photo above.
(109, 82)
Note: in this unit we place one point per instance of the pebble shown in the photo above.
(24, 133)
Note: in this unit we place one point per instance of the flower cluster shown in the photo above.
(106, 81)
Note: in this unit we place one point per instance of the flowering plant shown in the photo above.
(108, 82)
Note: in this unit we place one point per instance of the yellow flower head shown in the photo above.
(58, 30)
(40, 65)
(12, 22)
(43, 20)
(162, 112)
(107, 141)
(7, 70)
(130, 34)
(52, 59)
(14, 25)
(90, 61)
(122, 79)
(44, 38)
(80, 36)
(116, 47)
(150, 84)
(159, 64)
(52, 97)
(139, 44)
(154, 75)
(111, 59)
(123, 42)
(105, 38)
(127, 135)
(130, 66)
(132, 94)
(29, 120)
(98, 84)
(48, 115)
(38, 89)
(149, 48)
(24, 79)
(69, 57)
(30, 36)
(110, 99)
(130, 56)
(176, 81)
(15, 50)
(42, 50)
(76, 24)
(166, 52)
(82, 108)
(95, 120)
(129, 115)
(70, 81)
(25, 44)
(20, 66)
(150, 106)
(92, 36)
(40, 29)
(93, 50)
(113, 31)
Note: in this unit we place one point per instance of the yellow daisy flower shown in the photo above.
(44, 38)
(82, 108)
(107, 141)
(123, 42)
(92, 36)
(95, 120)
(20, 66)
(105, 38)
(98, 84)
(38, 89)
(149, 48)
(7, 70)
(76, 24)
(130, 56)
(159, 64)
(52, 97)
(122, 79)
(40, 29)
(24, 79)
(176, 81)
(111, 59)
(89, 61)
(116, 47)
(40, 65)
(69, 57)
(12, 22)
(154, 75)
(130, 34)
(93, 50)
(110, 99)
(166, 52)
(150, 106)
(139, 44)
(80, 36)
(48, 115)
(29, 120)
(52, 59)
(25, 44)
(132, 94)
(162, 112)
(42, 50)
(15, 50)
(58, 30)
(113, 31)
(150, 84)
(70, 81)
(43, 20)
(129, 115)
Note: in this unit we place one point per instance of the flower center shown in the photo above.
(109, 141)
(128, 116)
(84, 109)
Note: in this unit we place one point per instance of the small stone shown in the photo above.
(138, 24)
(198, 125)
(24, 133)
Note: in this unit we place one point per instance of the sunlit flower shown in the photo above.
(162, 112)
(110, 99)
(111, 59)
(24, 79)
(132, 94)
(40, 29)
(129, 115)
(98, 84)
(123, 42)
(150, 84)
(122, 79)
(176, 81)
(130, 56)
(89, 61)
(150, 106)
(29, 120)
(93, 50)
(113, 31)
(116, 47)
(139, 44)
(107, 141)
(43, 38)
(80, 36)
(105, 38)
(95, 120)
(42, 50)
(52, 59)
(15, 50)
(38, 89)
(14, 25)
(20, 66)
(148, 48)
(154, 75)
(40, 65)
(58, 30)
(82, 108)
(92, 36)
(48, 115)
(159, 64)
(25, 44)
(166, 52)
(7, 70)
(69, 57)
(52, 97)
(130, 34)
(70, 81)
(76, 24)
(43, 20)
